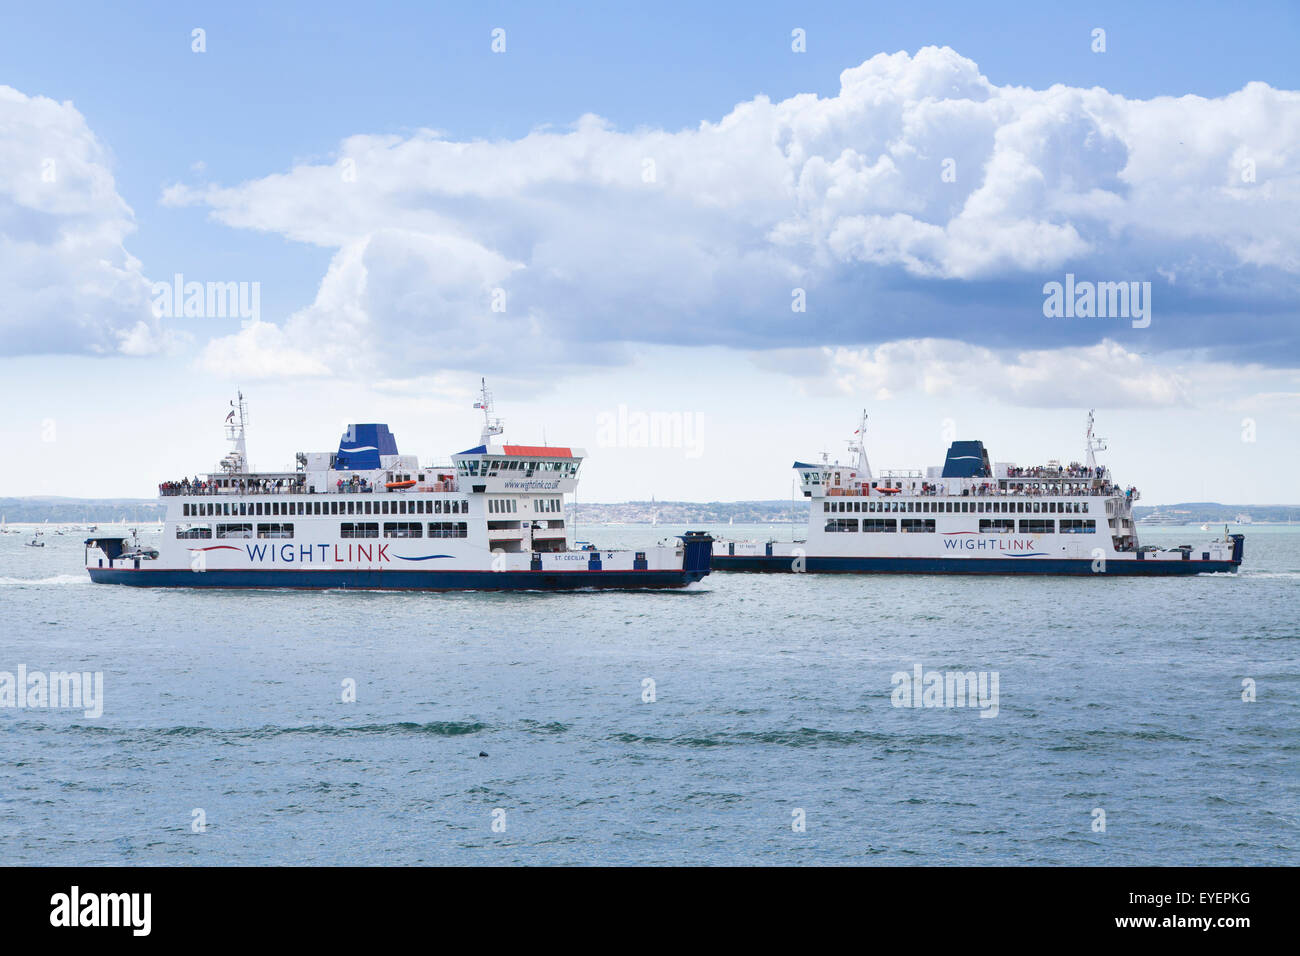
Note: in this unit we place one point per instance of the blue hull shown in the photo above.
(1076, 566)
(399, 580)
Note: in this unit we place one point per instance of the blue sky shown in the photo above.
(922, 296)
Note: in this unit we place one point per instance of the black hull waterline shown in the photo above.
(783, 564)
(400, 580)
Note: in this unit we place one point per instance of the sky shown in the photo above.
(749, 222)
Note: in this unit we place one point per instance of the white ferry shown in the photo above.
(1163, 518)
(366, 516)
(972, 516)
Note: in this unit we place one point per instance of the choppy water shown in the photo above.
(772, 695)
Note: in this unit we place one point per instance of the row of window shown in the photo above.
(500, 506)
(491, 467)
(1076, 526)
(987, 525)
(348, 529)
(402, 506)
(957, 507)
(404, 529)
(239, 530)
(881, 525)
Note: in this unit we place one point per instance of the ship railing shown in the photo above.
(1072, 471)
(171, 488)
(1109, 491)
(190, 489)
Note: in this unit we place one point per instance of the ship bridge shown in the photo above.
(520, 469)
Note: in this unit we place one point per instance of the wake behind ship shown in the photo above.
(369, 517)
(972, 516)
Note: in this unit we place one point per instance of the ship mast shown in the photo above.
(236, 462)
(859, 444)
(491, 426)
(1092, 445)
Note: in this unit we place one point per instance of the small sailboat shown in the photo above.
(36, 541)
(1205, 527)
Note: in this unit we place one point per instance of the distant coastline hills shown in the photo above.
(103, 510)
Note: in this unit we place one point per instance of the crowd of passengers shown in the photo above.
(1072, 470)
(244, 486)
(990, 489)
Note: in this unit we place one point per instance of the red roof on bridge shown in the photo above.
(538, 451)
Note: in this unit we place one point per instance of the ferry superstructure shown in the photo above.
(972, 516)
(366, 516)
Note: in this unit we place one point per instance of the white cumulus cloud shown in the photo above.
(66, 279)
(921, 201)
(1057, 378)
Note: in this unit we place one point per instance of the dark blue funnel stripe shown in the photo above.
(967, 459)
(361, 446)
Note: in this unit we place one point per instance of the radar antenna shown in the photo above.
(858, 443)
(491, 426)
(1092, 444)
(236, 461)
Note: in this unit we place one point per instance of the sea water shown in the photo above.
(747, 719)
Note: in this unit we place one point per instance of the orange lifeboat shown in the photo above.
(395, 485)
